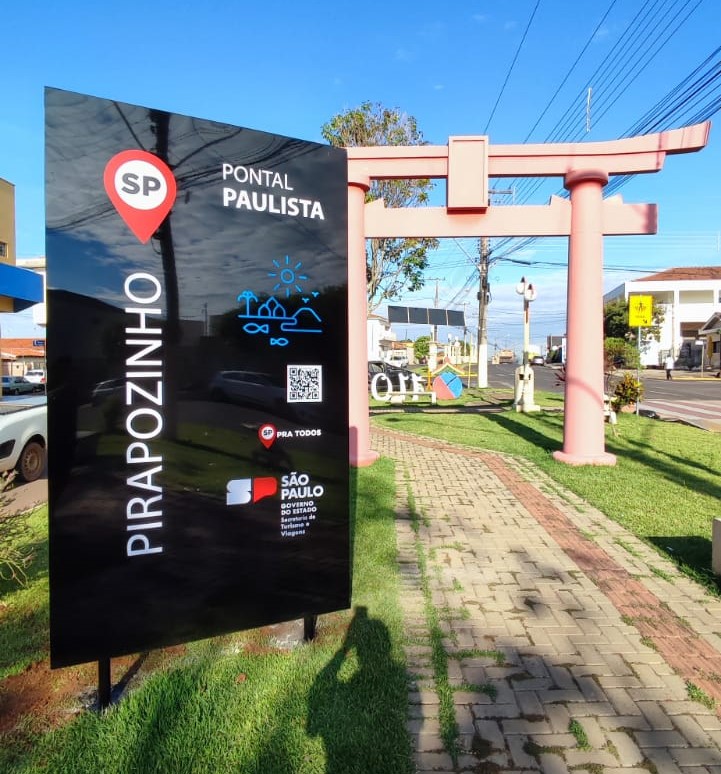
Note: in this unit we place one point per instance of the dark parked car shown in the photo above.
(392, 372)
(248, 387)
(108, 389)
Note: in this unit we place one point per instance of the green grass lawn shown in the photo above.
(238, 703)
(665, 487)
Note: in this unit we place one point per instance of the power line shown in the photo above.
(510, 69)
(570, 70)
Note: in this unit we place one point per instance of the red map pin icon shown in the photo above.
(142, 189)
(267, 434)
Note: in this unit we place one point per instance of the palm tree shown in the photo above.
(249, 296)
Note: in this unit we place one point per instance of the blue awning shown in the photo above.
(23, 286)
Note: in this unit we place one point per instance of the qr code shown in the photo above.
(305, 384)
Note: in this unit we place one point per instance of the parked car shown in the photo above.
(17, 385)
(262, 391)
(392, 372)
(36, 376)
(104, 390)
(248, 387)
(23, 436)
(538, 360)
(397, 358)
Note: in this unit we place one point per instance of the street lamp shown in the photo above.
(524, 373)
(528, 292)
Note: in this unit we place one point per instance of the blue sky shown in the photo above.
(288, 67)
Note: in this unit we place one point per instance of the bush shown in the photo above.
(15, 536)
(618, 353)
(629, 390)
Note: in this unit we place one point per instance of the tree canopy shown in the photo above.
(421, 347)
(392, 265)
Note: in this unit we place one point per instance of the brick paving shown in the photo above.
(553, 622)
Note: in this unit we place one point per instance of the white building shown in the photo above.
(689, 296)
(380, 337)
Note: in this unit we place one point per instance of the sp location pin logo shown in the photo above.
(267, 434)
(142, 189)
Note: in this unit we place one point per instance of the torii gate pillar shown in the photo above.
(583, 441)
(467, 163)
(361, 453)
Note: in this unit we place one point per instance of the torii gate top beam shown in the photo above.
(468, 162)
(645, 153)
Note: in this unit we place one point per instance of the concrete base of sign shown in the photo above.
(716, 547)
(575, 459)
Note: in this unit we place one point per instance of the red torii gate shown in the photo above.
(467, 163)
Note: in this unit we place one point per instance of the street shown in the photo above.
(688, 397)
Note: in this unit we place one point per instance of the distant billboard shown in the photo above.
(416, 315)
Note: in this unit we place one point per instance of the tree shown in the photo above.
(392, 265)
(421, 348)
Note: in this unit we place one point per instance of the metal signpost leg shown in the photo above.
(309, 627)
(104, 684)
(638, 370)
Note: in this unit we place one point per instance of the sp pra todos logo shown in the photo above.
(241, 491)
(142, 189)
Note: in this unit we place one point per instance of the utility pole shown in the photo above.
(484, 254)
(482, 339)
(435, 306)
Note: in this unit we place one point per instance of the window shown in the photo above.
(3, 249)
(689, 330)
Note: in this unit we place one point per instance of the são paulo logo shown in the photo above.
(241, 491)
(294, 486)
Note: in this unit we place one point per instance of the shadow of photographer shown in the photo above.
(357, 703)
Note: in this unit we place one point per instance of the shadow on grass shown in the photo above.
(679, 471)
(691, 465)
(692, 554)
(547, 442)
(356, 702)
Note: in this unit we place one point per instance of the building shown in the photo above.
(22, 355)
(710, 334)
(381, 337)
(689, 297)
(19, 287)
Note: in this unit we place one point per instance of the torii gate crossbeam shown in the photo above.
(467, 163)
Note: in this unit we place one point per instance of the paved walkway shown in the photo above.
(552, 638)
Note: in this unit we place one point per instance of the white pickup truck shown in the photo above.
(23, 436)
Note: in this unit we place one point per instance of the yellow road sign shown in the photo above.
(640, 311)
